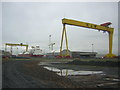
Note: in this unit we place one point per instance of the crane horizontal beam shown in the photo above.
(86, 25)
(9, 44)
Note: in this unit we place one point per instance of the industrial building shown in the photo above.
(78, 54)
(52, 54)
(73, 54)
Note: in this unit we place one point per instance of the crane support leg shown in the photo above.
(110, 42)
(5, 48)
(26, 48)
(110, 55)
(62, 41)
(67, 53)
(64, 32)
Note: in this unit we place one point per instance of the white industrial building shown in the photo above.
(74, 54)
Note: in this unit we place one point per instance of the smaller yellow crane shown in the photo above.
(10, 44)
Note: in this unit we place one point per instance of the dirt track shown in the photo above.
(26, 74)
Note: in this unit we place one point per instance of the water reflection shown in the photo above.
(66, 72)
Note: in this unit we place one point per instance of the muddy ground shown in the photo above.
(29, 74)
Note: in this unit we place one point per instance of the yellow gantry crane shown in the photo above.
(10, 44)
(86, 25)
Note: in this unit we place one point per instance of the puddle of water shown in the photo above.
(66, 72)
(52, 69)
(56, 62)
(104, 84)
(113, 79)
(48, 63)
(44, 63)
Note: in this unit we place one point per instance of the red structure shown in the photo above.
(106, 24)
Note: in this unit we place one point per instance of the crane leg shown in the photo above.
(5, 48)
(62, 40)
(67, 53)
(64, 32)
(110, 55)
(26, 48)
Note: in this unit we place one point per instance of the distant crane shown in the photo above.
(51, 46)
(10, 44)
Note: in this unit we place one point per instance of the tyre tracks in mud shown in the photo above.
(27, 74)
(12, 77)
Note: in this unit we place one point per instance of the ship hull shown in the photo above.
(29, 55)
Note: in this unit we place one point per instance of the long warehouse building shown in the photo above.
(74, 54)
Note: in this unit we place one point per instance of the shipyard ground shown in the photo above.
(28, 74)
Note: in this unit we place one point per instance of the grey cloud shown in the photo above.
(30, 22)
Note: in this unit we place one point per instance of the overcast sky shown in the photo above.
(33, 22)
